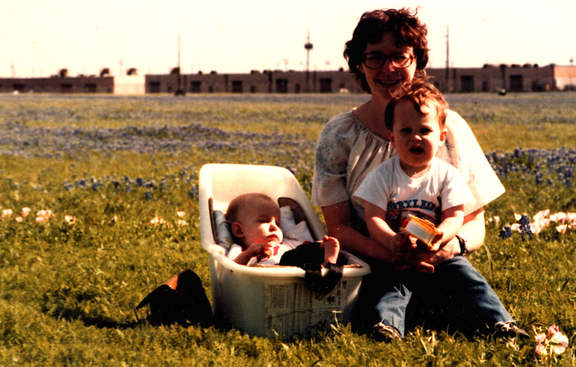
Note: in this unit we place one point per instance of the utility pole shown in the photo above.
(447, 58)
(179, 91)
(572, 87)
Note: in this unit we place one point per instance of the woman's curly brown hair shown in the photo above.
(404, 26)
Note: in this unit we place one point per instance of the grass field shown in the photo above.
(106, 166)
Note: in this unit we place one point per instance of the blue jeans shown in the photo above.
(455, 298)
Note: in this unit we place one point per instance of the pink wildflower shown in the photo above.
(554, 342)
(541, 214)
(495, 219)
(157, 220)
(25, 211)
(540, 221)
(182, 223)
(541, 350)
(558, 343)
(181, 214)
(540, 338)
(6, 213)
(536, 227)
(558, 217)
(44, 215)
(561, 228)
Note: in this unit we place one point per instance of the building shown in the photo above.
(489, 78)
(256, 82)
(515, 78)
(62, 83)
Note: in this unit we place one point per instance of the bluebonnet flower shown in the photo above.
(193, 192)
(539, 176)
(505, 233)
(164, 185)
(525, 226)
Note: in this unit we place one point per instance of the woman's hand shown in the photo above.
(405, 256)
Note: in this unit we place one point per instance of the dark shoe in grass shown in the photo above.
(509, 329)
(385, 333)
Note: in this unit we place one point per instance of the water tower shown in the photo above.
(308, 47)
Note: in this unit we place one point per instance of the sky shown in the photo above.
(40, 37)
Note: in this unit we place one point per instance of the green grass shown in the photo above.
(68, 291)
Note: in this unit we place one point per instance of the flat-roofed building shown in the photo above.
(489, 78)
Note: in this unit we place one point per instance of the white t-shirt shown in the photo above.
(391, 189)
(347, 151)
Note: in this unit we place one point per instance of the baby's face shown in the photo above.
(416, 136)
(261, 224)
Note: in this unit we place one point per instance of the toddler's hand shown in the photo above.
(436, 243)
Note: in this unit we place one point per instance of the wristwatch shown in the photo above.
(463, 248)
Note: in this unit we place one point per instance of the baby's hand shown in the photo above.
(259, 250)
(268, 252)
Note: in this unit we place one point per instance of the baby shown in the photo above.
(255, 224)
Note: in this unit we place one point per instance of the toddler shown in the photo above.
(416, 182)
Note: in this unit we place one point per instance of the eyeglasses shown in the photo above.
(399, 61)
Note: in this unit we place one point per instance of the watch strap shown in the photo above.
(463, 247)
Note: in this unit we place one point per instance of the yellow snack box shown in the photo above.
(420, 228)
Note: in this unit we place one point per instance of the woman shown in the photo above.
(389, 48)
